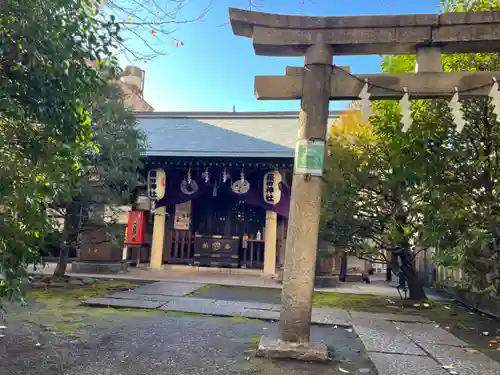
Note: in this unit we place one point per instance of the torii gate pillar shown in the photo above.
(305, 207)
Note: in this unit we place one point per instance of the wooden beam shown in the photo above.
(382, 86)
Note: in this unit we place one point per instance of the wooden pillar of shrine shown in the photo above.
(156, 262)
(270, 237)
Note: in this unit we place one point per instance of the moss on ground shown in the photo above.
(203, 289)
(61, 309)
(241, 320)
(254, 340)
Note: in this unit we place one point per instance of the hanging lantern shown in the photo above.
(271, 188)
(157, 182)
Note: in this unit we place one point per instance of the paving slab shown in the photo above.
(401, 364)
(228, 308)
(120, 302)
(192, 305)
(261, 306)
(389, 317)
(427, 333)
(169, 288)
(261, 314)
(139, 296)
(331, 317)
(464, 362)
(383, 336)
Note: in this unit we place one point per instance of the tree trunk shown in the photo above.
(343, 266)
(415, 285)
(70, 231)
(60, 270)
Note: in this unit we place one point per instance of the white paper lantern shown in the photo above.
(157, 182)
(271, 187)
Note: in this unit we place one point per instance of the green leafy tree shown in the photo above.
(45, 129)
(431, 186)
(108, 176)
(371, 204)
(463, 213)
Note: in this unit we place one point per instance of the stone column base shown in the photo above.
(274, 348)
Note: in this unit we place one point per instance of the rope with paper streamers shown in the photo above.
(406, 117)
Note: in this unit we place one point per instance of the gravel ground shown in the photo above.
(161, 344)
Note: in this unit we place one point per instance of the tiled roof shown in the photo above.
(222, 134)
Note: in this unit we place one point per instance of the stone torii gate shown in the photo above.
(318, 82)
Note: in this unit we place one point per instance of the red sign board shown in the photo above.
(136, 228)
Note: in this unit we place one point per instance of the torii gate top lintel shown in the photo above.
(284, 35)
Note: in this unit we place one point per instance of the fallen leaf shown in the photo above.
(469, 350)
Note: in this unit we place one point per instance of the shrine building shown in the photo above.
(220, 186)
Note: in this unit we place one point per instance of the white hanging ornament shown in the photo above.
(365, 103)
(271, 188)
(225, 176)
(188, 185)
(456, 111)
(206, 176)
(406, 118)
(495, 98)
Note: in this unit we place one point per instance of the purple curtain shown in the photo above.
(174, 195)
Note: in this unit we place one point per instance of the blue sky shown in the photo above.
(215, 69)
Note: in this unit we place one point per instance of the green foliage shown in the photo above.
(46, 99)
(107, 178)
(431, 186)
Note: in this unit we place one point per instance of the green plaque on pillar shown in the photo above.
(310, 156)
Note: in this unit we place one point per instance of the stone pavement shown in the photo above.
(397, 344)
(232, 277)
